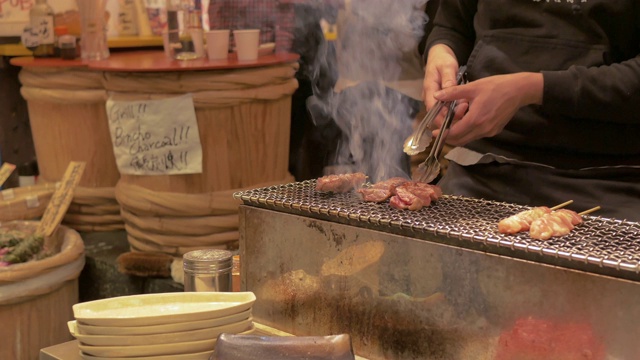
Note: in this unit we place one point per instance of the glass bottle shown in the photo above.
(184, 19)
(41, 18)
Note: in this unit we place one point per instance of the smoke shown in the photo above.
(377, 43)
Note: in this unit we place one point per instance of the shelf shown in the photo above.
(114, 43)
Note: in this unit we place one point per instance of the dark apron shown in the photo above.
(615, 190)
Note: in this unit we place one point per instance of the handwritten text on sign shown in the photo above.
(155, 137)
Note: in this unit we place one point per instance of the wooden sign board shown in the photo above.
(61, 199)
(5, 172)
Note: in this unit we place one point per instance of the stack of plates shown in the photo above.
(160, 326)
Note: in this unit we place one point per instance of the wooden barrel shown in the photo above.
(69, 123)
(243, 118)
(36, 297)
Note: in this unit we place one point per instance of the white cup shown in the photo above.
(217, 44)
(247, 43)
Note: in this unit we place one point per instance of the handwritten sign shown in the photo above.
(155, 137)
(5, 172)
(61, 199)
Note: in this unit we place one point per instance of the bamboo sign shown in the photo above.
(5, 172)
(155, 137)
(61, 199)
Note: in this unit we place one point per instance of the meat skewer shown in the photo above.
(557, 223)
(522, 220)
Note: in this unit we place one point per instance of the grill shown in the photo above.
(599, 245)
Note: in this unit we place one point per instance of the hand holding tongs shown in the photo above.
(419, 141)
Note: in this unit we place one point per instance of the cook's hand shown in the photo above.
(492, 102)
(440, 72)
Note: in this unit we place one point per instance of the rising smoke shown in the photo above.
(377, 49)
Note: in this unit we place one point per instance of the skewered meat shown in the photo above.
(341, 183)
(522, 220)
(382, 190)
(557, 223)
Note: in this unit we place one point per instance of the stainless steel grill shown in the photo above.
(599, 245)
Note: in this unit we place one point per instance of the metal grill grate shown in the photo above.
(605, 243)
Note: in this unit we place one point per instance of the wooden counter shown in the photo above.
(154, 61)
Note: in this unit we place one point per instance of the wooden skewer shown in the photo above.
(589, 211)
(562, 205)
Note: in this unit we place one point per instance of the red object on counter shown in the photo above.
(154, 61)
(543, 339)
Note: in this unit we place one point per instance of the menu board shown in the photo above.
(61, 199)
(155, 137)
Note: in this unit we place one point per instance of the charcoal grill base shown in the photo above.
(412, 293)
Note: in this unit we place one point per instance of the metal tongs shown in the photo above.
(420, 139)
(430, 168)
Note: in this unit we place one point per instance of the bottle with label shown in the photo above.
(184, 26)
(41, 18)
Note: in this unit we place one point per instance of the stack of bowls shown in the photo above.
(160, 326)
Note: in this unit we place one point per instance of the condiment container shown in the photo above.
(67, 45)
(208, 270)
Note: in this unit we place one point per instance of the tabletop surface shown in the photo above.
(154, 61)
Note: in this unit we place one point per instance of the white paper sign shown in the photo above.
(155, 137)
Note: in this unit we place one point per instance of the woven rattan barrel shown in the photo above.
(243, 118)
(69, 123)
(36, 297)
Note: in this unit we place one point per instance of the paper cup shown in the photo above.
(217, 44)
(247, 44)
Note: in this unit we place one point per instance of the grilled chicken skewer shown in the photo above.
(522, 220)
(557, 223)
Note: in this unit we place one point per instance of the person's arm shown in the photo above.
(449, 44)
(453, 27)
(606, 93)
(431, 8)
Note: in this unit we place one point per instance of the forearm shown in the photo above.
(531, 86)
(453, 26)
(606, 93)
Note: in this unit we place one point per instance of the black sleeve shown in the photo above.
(453, 26)
(430, 9)
(606, 93)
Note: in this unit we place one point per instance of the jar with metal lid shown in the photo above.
(207, 270)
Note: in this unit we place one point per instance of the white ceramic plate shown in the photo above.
(168, 338)
(146, 352)
(160, 329)
(163, 308)
(197, 356)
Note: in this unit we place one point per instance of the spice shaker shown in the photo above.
(208, 270)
